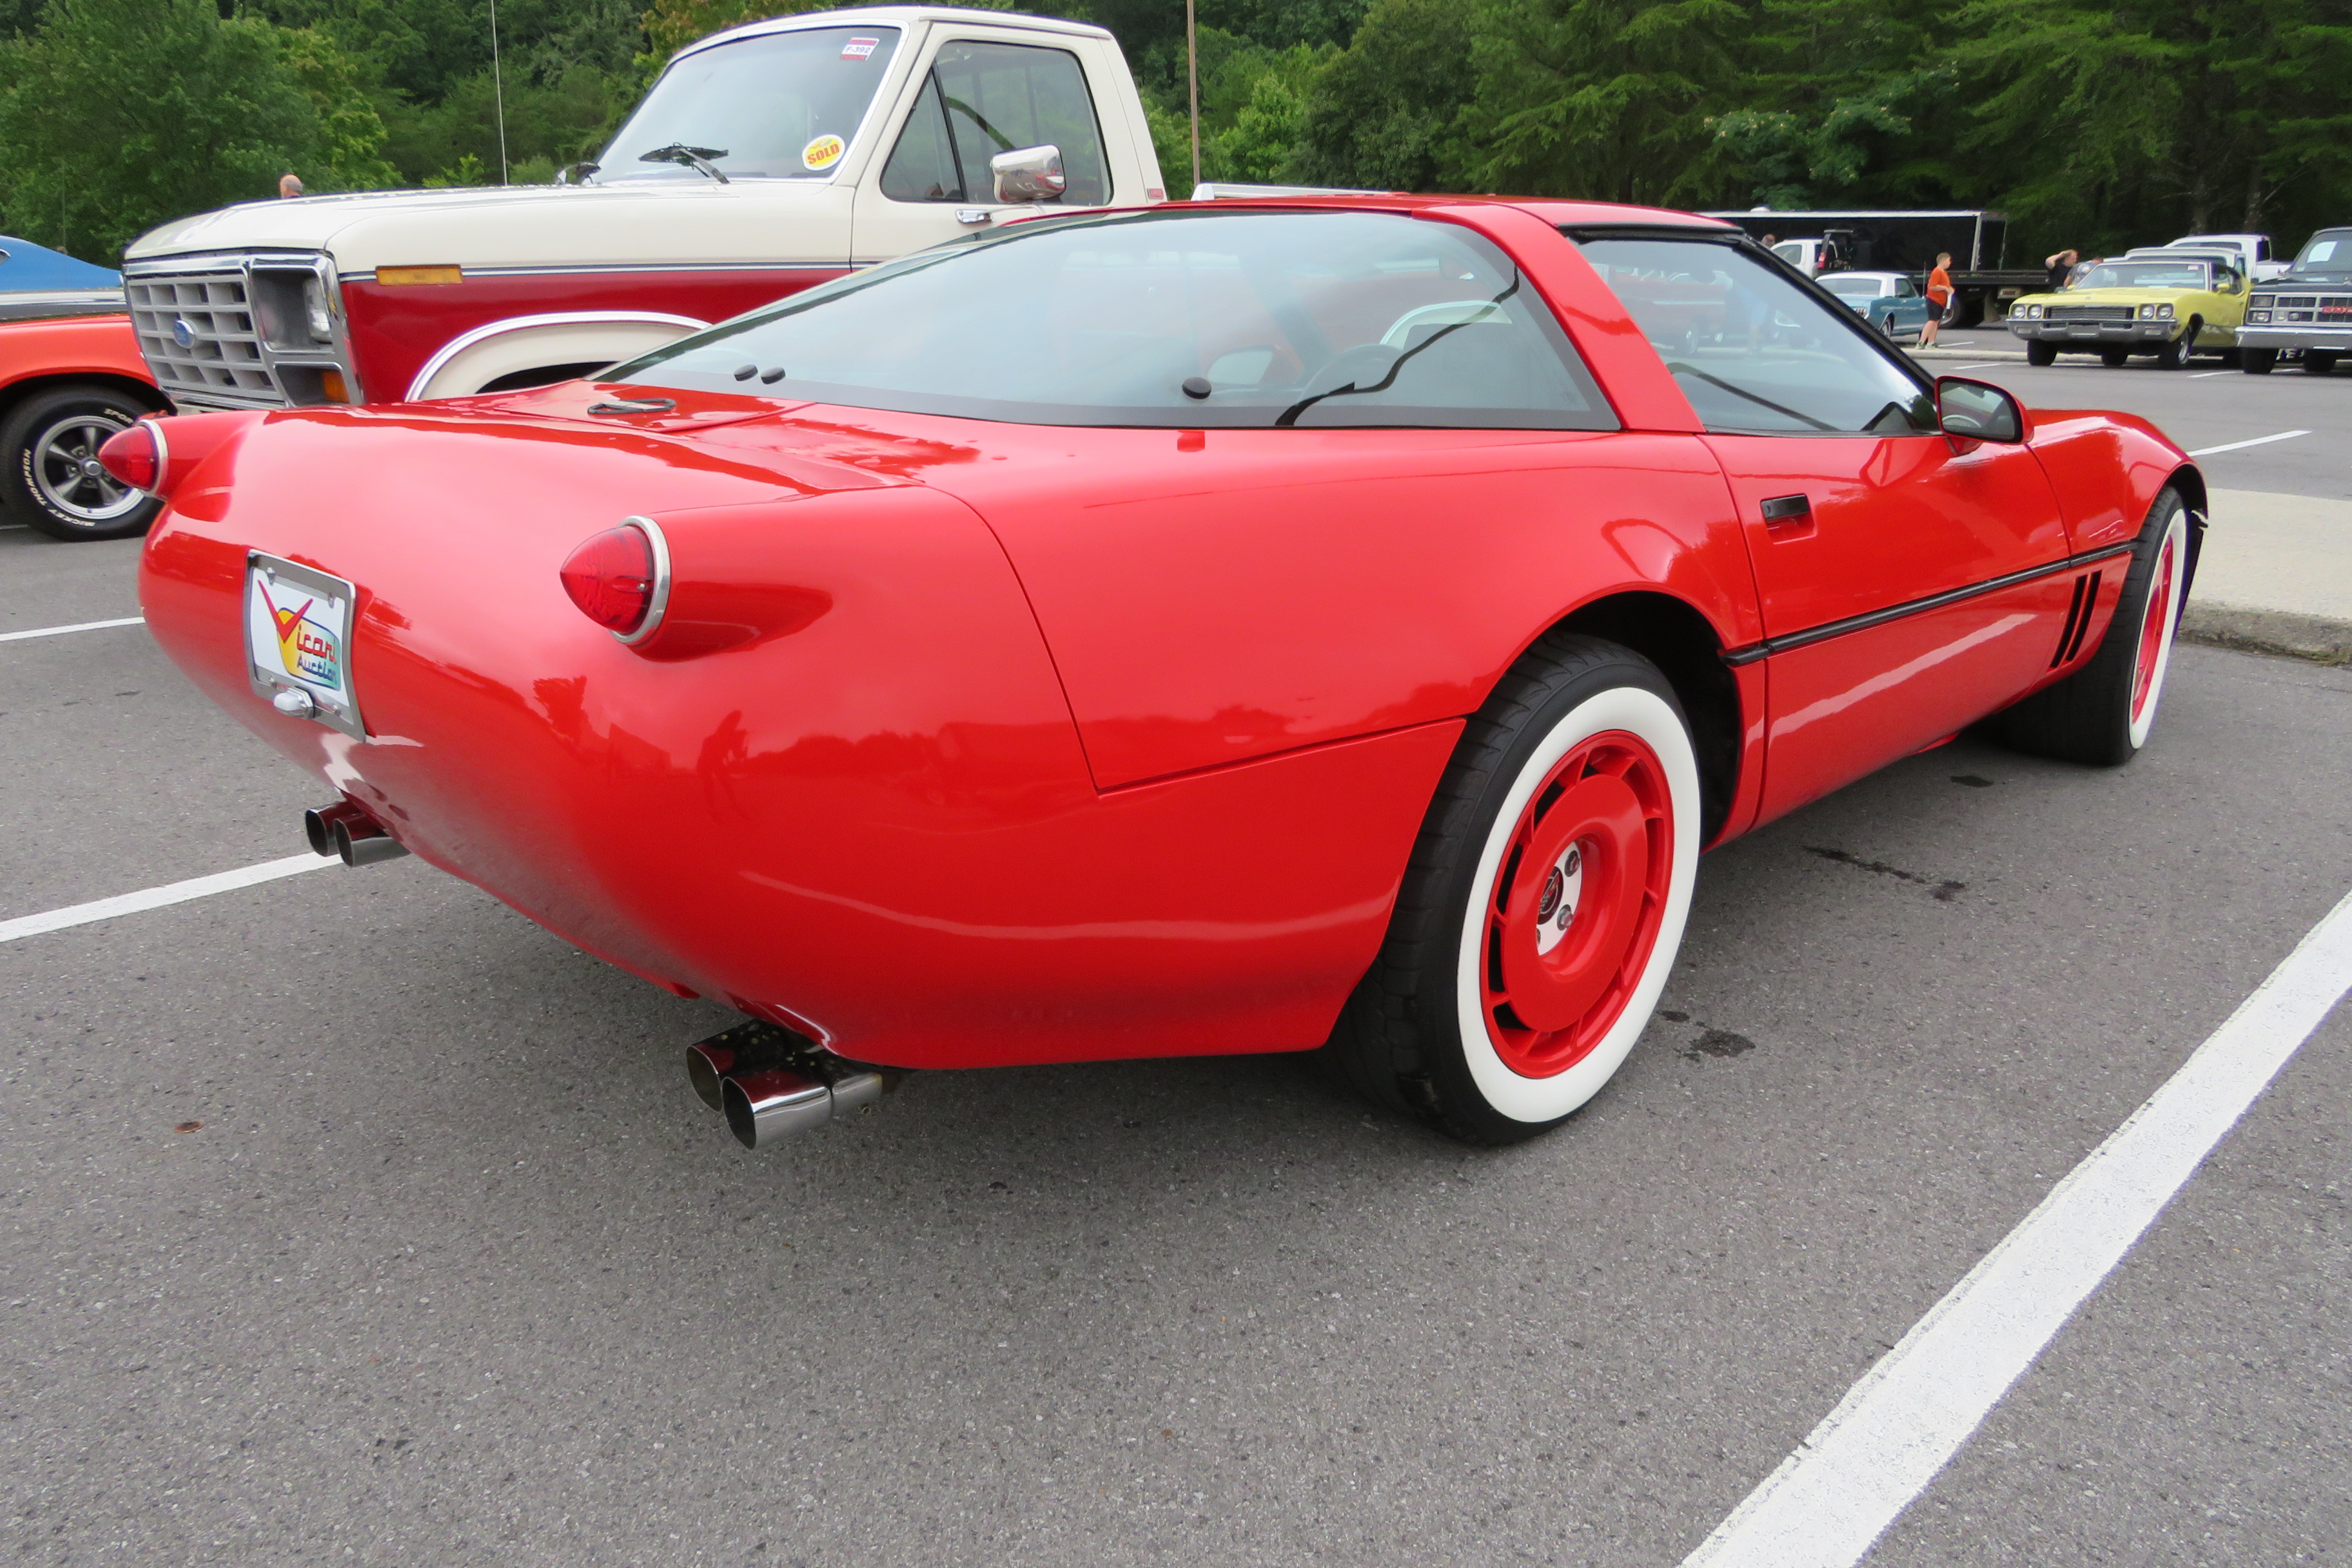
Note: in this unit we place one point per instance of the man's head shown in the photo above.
(1943, 258)
(2070, 256)
(290, 184)
(1770, 240)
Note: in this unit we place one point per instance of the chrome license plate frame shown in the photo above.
(298, 639)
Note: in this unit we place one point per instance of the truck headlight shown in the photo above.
(2258, 315)
(316, 316)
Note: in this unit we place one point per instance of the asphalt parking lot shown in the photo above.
(450, 1265)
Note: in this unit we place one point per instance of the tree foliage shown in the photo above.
(2092, 123)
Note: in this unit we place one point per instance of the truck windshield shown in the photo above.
(1270, 319)
(778, 106)
(2329, 251)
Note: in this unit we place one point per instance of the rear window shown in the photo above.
(1206, 319)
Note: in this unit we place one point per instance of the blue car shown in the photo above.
(1887, 301)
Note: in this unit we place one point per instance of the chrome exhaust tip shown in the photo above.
(350, 832)
(771, 1083)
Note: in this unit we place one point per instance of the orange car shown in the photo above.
(66, 385)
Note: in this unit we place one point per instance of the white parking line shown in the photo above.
(2210, 375)
(1957, 368)
(1856, 1472)
(83, 626)
(2241, 446)
(156, 898)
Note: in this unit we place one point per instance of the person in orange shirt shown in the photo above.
(1939, 298)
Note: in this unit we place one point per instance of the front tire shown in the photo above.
(2174, 354)
(2103, 712)
(2318, 361)
(2114, 358)
(2258, 362)
(2039, 352)
(49, 471)
(1544, 903)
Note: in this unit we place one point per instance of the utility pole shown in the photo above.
(1192, 70)
(498, 92)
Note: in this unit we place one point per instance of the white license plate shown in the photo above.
(297, 641)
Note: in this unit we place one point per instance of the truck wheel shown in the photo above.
(1543, 904)
(2102, 713)
(2114, 358)
(2257, 362)
(49, 444)
(2038, 352)
(2319, 362)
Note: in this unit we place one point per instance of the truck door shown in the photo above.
(978, 98)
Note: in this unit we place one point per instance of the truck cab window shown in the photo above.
(1753, 351)
(980, 99)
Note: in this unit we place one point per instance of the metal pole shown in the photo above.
(498, 89)
(1192, 70)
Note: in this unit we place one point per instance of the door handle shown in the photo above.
(1786, 515)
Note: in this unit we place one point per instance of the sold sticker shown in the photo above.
(823, 152)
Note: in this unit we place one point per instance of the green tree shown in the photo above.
(117, 115)
(1385, 114)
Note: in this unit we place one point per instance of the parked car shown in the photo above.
(2253, 251)
(37, 281)
(1887, 301)
(2165, 302)
(2308, 310)
(766, 158)
(1222, 627)
(68, 382)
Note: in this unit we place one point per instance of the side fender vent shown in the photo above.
(2078, 619)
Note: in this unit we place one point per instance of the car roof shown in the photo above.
(1857, 272)
(1557, 213)
(893, 16)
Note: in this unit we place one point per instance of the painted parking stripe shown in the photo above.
(157, 897)
(2241, 446)
(80, 627)
(1957, 368)
(2210, 375)
(1856, 1472)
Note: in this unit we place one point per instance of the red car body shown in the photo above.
(35, 352)
(969, 743)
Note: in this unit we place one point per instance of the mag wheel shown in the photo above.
(1544, 903)
(2174, 354)
(2103, 712)
(52, 479)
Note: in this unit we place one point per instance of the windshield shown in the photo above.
(2144, 275)
(1851, 286)
(780, 106)
(1202, 318)
(2329, 251)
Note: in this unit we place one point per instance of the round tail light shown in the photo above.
(134, 455)
(620, 578)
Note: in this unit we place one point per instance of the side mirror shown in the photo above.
(1029, 175)
(1978, 411)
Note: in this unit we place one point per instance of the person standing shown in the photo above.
(2060, 269)
(288, 186)
(1939, 298)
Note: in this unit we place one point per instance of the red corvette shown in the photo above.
(1218, 629)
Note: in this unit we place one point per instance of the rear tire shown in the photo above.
(2102, 713)
(2038, 352)
(2258, 362)
(47, 446)
(1544, 903)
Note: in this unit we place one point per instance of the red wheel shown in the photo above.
(1574, 911)
(1544, 903)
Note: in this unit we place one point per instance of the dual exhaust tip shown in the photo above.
(348, 831)
(771, 1083)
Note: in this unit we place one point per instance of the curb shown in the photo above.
(2282, 633)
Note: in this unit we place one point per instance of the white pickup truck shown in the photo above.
(766, 158)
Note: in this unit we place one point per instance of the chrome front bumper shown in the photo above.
(2296, 335)
(2097, 331)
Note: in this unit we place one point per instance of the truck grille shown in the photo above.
(2088, 313)
(223, 352)
(235, 332)
(2312, 307)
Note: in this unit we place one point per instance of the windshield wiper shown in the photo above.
(1289, 416)
(696, 158)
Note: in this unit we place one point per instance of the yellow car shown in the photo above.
(2167, 303)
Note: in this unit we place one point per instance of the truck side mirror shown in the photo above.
(1978, 411)
(1029, 175)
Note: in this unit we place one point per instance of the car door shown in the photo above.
(1910, 308)
(1910, 583)
(978, 97)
